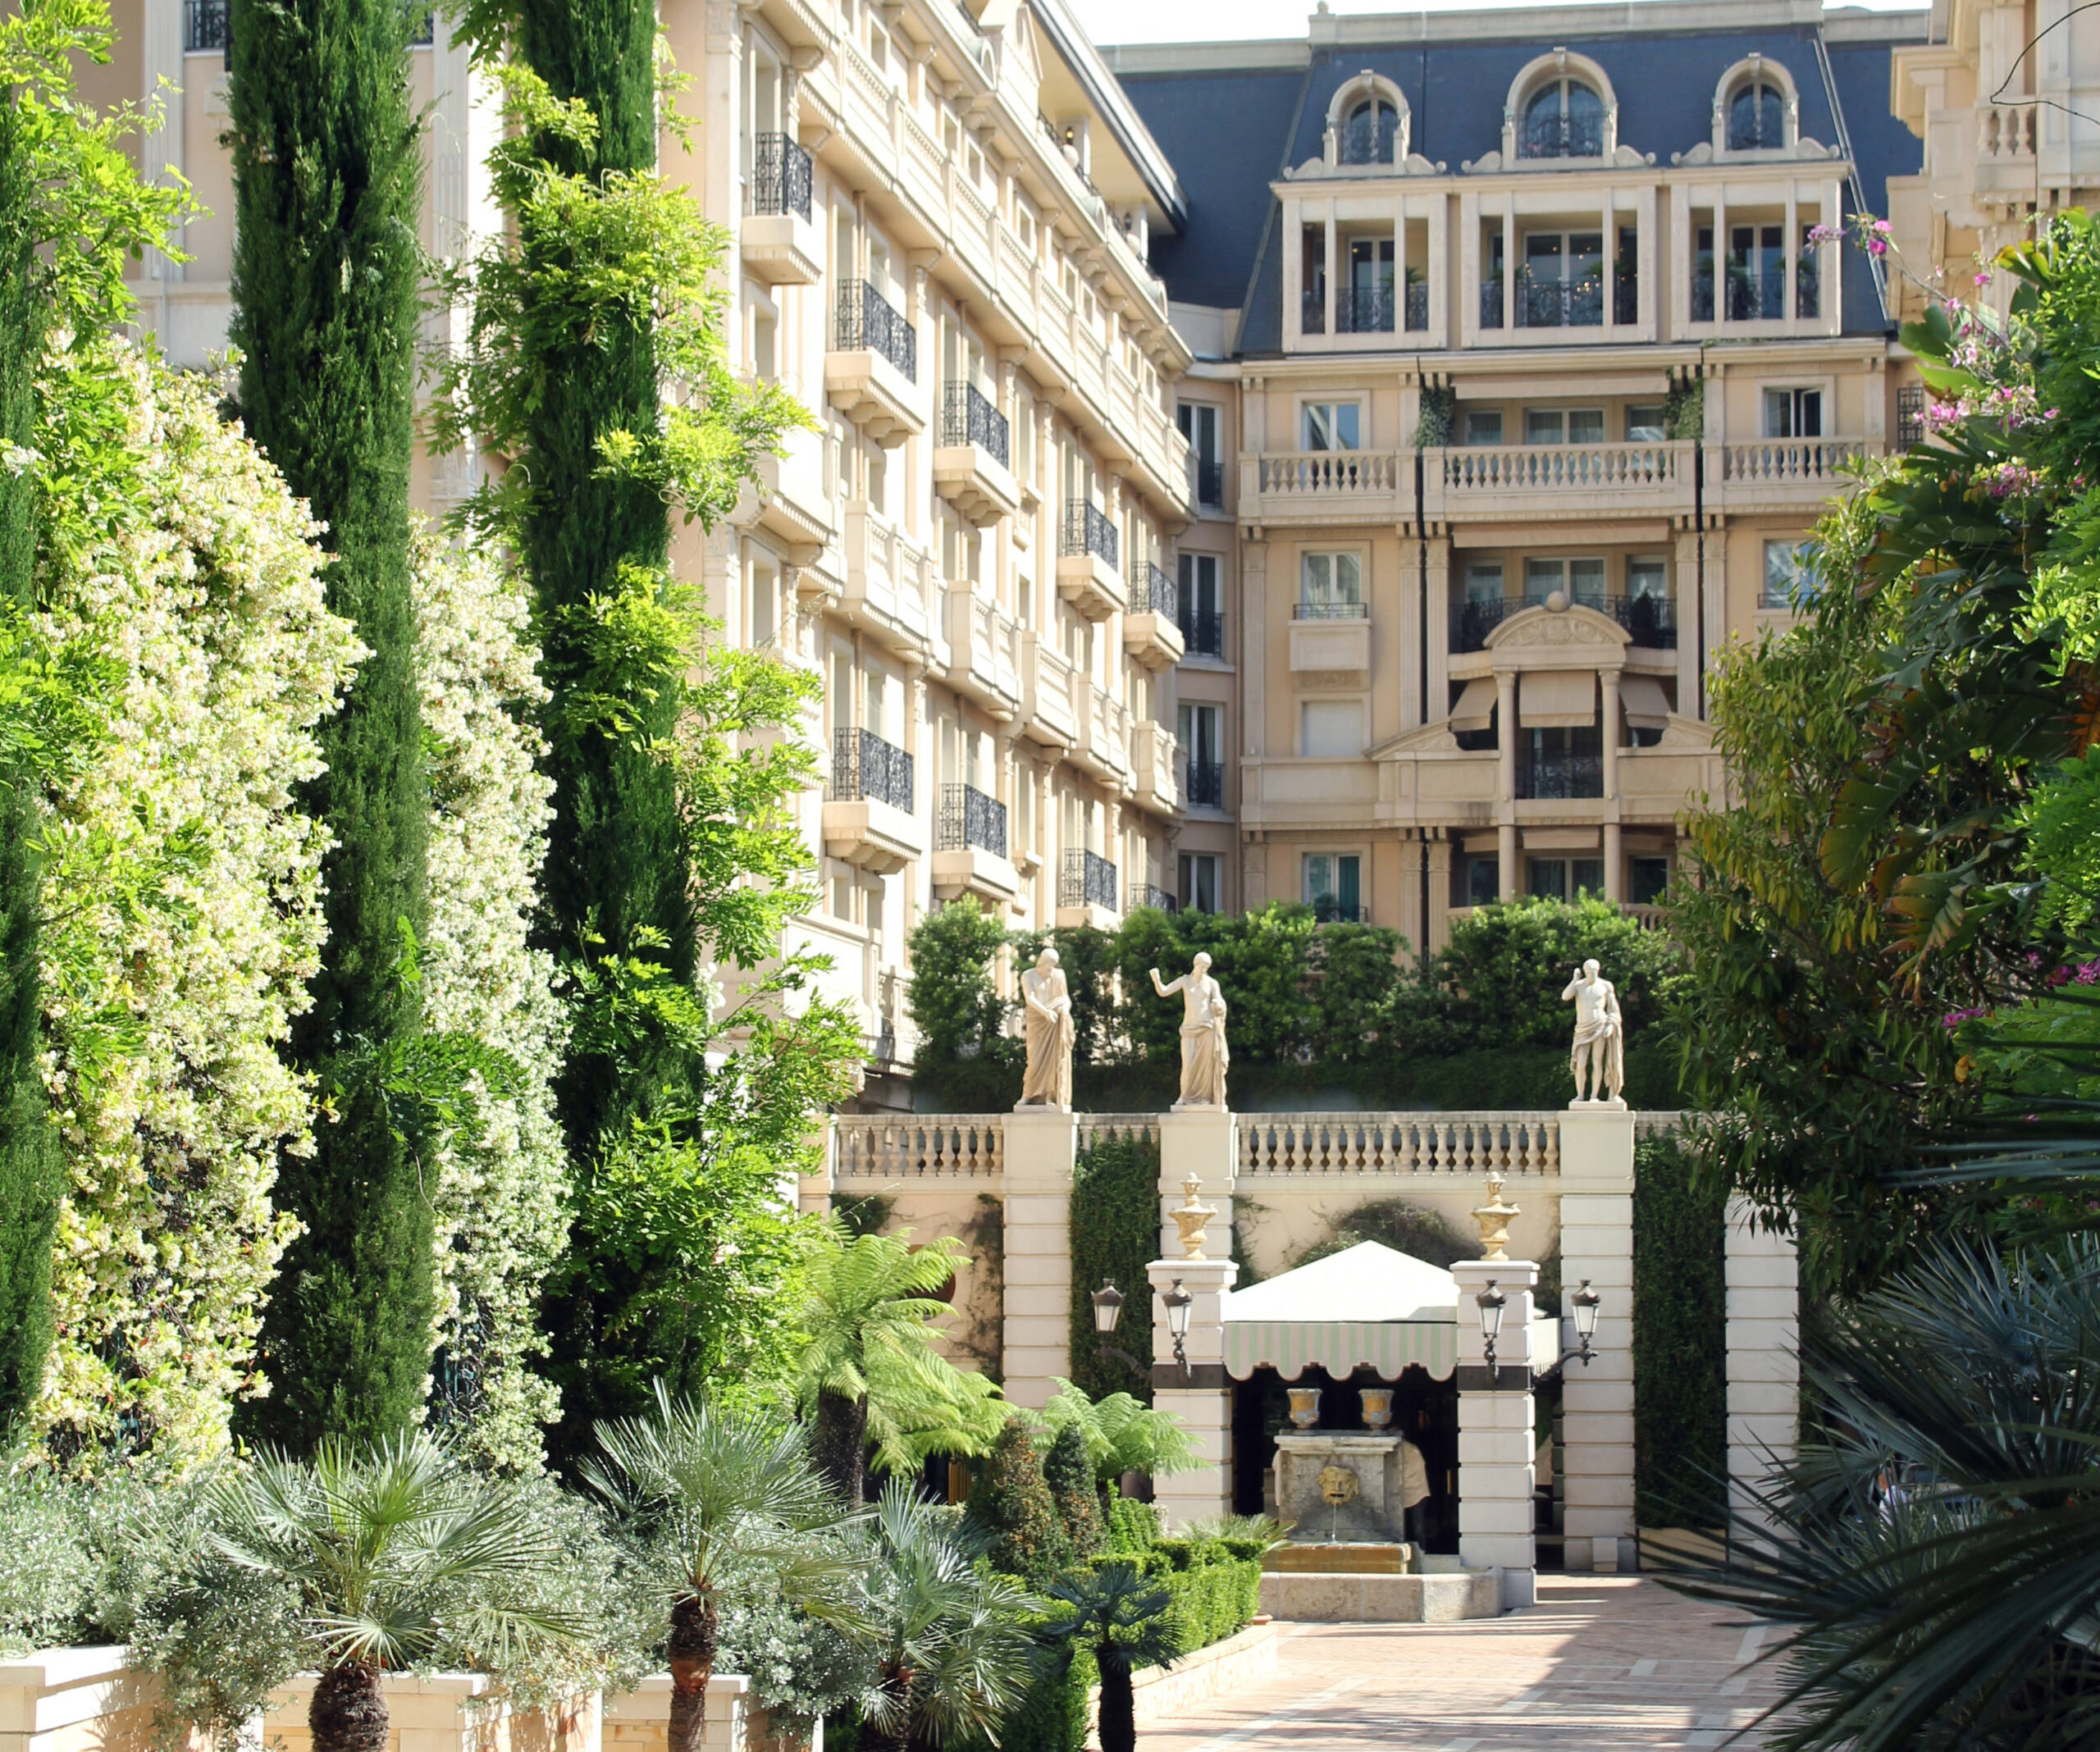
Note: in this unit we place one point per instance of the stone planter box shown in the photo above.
(445, 1713)
(1161, 1694)
(76, 1700)
(639, 1721)
(1382, 1599)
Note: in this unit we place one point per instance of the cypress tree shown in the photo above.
(326, 280)
(30, 1167)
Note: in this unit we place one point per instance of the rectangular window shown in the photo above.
(1793, 414)
(1647, 878)
(1198, 421)
(1484, 581)
(1910, 415)
(1757, 273)
(1198, 731)
(1563, 282)
(1582, 580)
(1330, 729)
(1332, 588)
(1564, 426)
(1787, 580)
(1199, 874)
(1547, 878)
(1332, 886)
(765, 603)
(1647, 578)
(1644, 424)
(1483, 425)
(1483, 881)
(1331, 425)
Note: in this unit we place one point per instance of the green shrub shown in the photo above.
(1009, 1500)
(958, 1015)
(1408, 1227)
(1499, 983)
(1115, 1235)
(1132, 1527)
(1069, 1473)
(1680, 1337)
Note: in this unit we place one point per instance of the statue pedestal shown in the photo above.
(1036, 1341)
(1373, 1515)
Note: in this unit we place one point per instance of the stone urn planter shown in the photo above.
(1304, 1406)
(1377, 1406)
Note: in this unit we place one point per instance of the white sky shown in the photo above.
(1226, 20)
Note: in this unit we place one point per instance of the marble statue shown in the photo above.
(1204, 1054)
(1598, 1059)
(1047, 1020)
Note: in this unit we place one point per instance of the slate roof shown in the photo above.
(1231, 134)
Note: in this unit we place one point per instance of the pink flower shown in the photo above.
(1877, 246)
(1823, 234)
(1983, 279)
(1881, 226)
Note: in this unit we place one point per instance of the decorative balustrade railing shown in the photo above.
(1144, 894)
(206, 26)
(968, 417)
(867, 322)
(1311, 473)
(1117, 1127)
(1559, 304)
(876, 1147)
(1363, 310)
(970, 818)
(1314, 1145)
(1558, 778)
(865, 769)
(1087, 530)
(1086, 879)
(1585, 467)
(780, 175)
(1815, 462)
(1153, 592)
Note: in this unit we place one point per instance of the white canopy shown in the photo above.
(1366, 1282)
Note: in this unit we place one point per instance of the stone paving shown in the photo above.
(1602, 1663)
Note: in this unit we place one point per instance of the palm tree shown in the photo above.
(394, 1553)
(952, 1653)
(1123, 1435)
(1115, 1611)
(701, 1490)
(870, 1373)
(1938, 1546)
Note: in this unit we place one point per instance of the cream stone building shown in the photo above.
(1526, 354)
(939, 218)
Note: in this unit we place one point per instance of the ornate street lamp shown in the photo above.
(1586, 1302)
(1491, 1302)
(1107, 1310)
(1179, 1302)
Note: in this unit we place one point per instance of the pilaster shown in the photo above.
(1596, 1243)
(1040, 1144)
(1497, 1437)
(1204, 1142)
(1200, 1395)
(1764, 1369)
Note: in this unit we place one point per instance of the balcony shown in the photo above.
(985, 651)
(1327, 486)
(1328, 909)
(1330, 637)
(1417, 308)
(1202, 632)
(778, 240)
(1048, 714)
(868, 819)
(872, 373)
(1203, 784)
(889, 584)
(1559, 304)
(1102, 747)
(1564, 479)
(1155, 768)
(1086, 891)
(1649, 621)
(1783, 473)
(1144, 894)
(970, 850)
(1087, 574)
(1559, 778)
(207, 25)
(1363, 310)
(1562, 136)
(1151, 634)
(970, 469)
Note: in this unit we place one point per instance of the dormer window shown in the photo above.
(1370, 132)
(1757, 117)
(1563, 119)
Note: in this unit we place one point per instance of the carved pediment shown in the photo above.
(1688, 734)
(1574, 625)
(1424, 739)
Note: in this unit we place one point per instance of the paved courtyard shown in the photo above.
(1602, 1662)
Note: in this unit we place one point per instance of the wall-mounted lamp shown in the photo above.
(1179, 1302)
(1491, 1302)
(1586, 1302)
(1107, 1310)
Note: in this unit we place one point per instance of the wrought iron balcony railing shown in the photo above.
(967, 417)
(1363, 310)
(1202, 632)
(1490, 302)
(1143, 894)
(1089, 531)
(1313, 313)
(867, 322)
(1559, 778)
(1562, 137)
(1650, 620)
(1153, 592)
(1329, 611)
(206, 26)
(1417, 316)
(866, 769)
(1328, 909)
(1203, 783)
(970, 818)
(1086, 879)
(780, 176)
(1560, 303)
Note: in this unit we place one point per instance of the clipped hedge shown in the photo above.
(1680, 1338)
(1115, 1235)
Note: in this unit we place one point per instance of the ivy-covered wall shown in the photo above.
(1680, 1338)
(1115, 1235)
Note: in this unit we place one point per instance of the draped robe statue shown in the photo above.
(1598, 1058)
(1047, 1023)
(1204, 1054)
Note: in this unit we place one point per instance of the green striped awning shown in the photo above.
(1291, 1347)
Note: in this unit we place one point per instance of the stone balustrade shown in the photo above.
(1313, 1145)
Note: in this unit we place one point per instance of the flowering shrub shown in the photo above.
(180, 888)
(500, 1220)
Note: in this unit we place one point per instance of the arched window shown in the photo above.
(1369, 133)
(1757, 117)
(1563, 119)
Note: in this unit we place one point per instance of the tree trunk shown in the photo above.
(1119, 1708)
(693, 1663)
(839, 1445)
(895, 1683)
(348, 1710)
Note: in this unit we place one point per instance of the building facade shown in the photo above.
(939, 225)
(1529, 351)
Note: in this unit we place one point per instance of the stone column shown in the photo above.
(1201, 1396)
(1438, 933)
(1763, 1328)
(1496, 1440)
(1596, 1243)
(1040, 1143)
(1611, 726)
